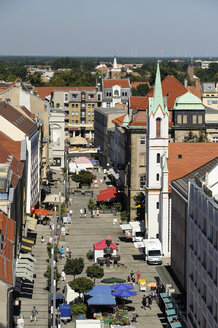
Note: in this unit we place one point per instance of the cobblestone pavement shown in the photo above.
(86, 231)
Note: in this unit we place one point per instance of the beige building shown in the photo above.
(210, 94)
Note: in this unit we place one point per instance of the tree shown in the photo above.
(94, 271)
(91, 203)
(124, 216)
(74, 266)
(81, 285)
(141, 90)
(117, 206)
(84, 177)
(47, 275)
(139, 200)
(88, 65)
(78, 309)
(56, 250)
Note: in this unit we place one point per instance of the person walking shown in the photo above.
(63, 275)
(33, 316)
(133, 280)
(81, 212)
(84, 212)
(97, 212)
(138, 276)
(42, 239)
(134, 316)
(144, 302)
(149, 301)
(131, 273)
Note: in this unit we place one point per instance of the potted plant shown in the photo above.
(89, 254)
(103, 207)
(91, 204)
(117, 207)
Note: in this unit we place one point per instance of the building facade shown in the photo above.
(115, 91)
(57, 145)
(202, 251)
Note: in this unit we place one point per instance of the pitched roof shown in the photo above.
(12, 146)
(195, 91)
(119, 120)
(136, 84)
(138, 103)
(140, 119)
(10, 85)
(181, 184)
(16, 118)
(44, 92)
(192, 155)
(7, 226)
(122, 83)
(15, 165)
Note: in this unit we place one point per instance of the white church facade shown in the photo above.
(157, 196)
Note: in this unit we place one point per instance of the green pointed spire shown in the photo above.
(158, 94)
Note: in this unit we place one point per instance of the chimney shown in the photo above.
(186, 83)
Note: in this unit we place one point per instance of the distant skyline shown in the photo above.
(96, 28)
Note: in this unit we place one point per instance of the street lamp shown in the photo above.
(53, 278)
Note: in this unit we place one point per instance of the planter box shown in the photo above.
(85, 187)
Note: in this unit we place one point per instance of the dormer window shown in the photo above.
(116, 93)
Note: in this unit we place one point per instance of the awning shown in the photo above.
(46, 188)
(42, 211)
(126, 226)
(28, 256)
(53, 199)
(26, 244)
(58, 297)
(102, 300)
(176, 324)
(78, 141)
(113, 173)
(31, 223)
(65, 311)
(106, 194)
(25, 275)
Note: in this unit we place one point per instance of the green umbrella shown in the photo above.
(113, 280)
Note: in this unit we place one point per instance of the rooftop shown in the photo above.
(109, 83)
(44, 92)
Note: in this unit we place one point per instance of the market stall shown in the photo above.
(99, 249)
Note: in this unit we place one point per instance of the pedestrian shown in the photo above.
(97, 212)
(128, 279)
(42, 239)
(117, 243)
(134, 316)
(104, 178)
(131, 273)
(138, 276)
(84, 212)
(33, 316)
(93, 213)
(144, 302)
(63, 275)
(149, 301)
(133, 280)
(70, 200)
(101, 181)
(67, 251)
(81, 212)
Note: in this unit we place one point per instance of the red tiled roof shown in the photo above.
(136, 84)
(12, 115)
(195, 91)
(102, 69)
(138, 102)
(12, 146)
(44, 92)
(15, 165)
(119, 120)
(6, 254)
(122, 83)
(140, 119)
(10, 85)
(193, 155)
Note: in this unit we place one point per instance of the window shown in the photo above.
(76, 121)
(142, 180)
(91, 96)
(142, 140)
(109, 94)
(157, 177)
(83, 114)
(122, 94)
(158, 158)
(72, 113)
(158, 127)
(157, 205)
(184, 119)
(125, 94)
(89, 122)
(57, 161)
(89, 113)
(66, 97)
(179, 119)
(194, 119)
(99, 97)
(215, 139)
(179, 156)
(108, 105)
(142, 159)
(116, 93)
(200, 119)
(75, 96)
(76, 113)
(72, 121)
(72, 105)
(77, 105)
(204, 226)
(93, 105)
(92, 113)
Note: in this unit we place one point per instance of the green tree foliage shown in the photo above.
(88, 65)
(81, 285)
(91, 203)
(56, 250)
(78, 309)
(84, 177)
(65, 62)
(141, 90)
(95, 271)
(35, 79)
(124, 216)
(139, 200)
(73, 78)
(47, 275)
(74, 266)
(208, 75)
(117, 206)
(9, 71)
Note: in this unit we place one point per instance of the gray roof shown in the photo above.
(181, 184)
(209, 87)
(210, 110)
(111, 110)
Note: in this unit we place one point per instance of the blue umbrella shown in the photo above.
(121, 287)
(124, 293)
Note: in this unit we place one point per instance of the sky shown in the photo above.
(140, 28)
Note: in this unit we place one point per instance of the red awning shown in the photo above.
(42, 211)
(101, 245)
(107, 194)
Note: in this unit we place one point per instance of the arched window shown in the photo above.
(158, 158)
(158, 127)
(157, 177)
(116, 93)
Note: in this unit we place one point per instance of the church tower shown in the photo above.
(156, 166)
(115, 71)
